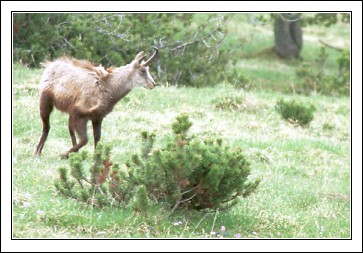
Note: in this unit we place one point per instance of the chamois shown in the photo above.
(87, 92)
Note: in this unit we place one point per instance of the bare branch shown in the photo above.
(184, 200)
(99, 189)
(205, 43)
(195, 187)
(203, 39)
(184, 45)
(215, 39)
(66, 41)
(177, 204)
(233, 197)
(195, 36)
(286, 19)
(216, 19)
(256, 21)
(330, 46)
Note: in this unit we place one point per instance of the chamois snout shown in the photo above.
(151, 86)
(151, 83)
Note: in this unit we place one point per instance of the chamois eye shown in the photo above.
(143, 71)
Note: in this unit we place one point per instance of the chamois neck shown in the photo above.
(120, 82)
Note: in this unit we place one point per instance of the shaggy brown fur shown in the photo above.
(87, 92)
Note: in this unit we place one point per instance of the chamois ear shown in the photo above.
(139, 57)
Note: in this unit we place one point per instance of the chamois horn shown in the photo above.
(152, 57)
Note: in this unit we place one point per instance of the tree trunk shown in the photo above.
(288, 35)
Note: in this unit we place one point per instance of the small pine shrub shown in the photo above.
(296, 112)
(228, 103)
(186, 172)
(192, 173)
(239, 80)
(141, 199)
(328, 126)
(101, 185)
(341, 82)
(316, 79)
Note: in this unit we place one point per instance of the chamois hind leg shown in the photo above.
(96, 124)
(71, 124)
(46, 107)
(80, 125)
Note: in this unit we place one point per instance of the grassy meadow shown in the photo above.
(305, 171)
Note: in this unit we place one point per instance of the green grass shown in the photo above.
(260, 64)
(305, 189)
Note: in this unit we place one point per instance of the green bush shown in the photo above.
(296, 112)
(191, 173)
(316, 79)
(238, 79)
(186, 172)
(192, 50)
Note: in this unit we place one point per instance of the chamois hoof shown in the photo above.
(65, 155)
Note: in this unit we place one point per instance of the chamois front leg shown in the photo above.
(81, 129)
(96, 130)
(71, 123)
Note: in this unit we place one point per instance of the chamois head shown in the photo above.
(142, 77)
